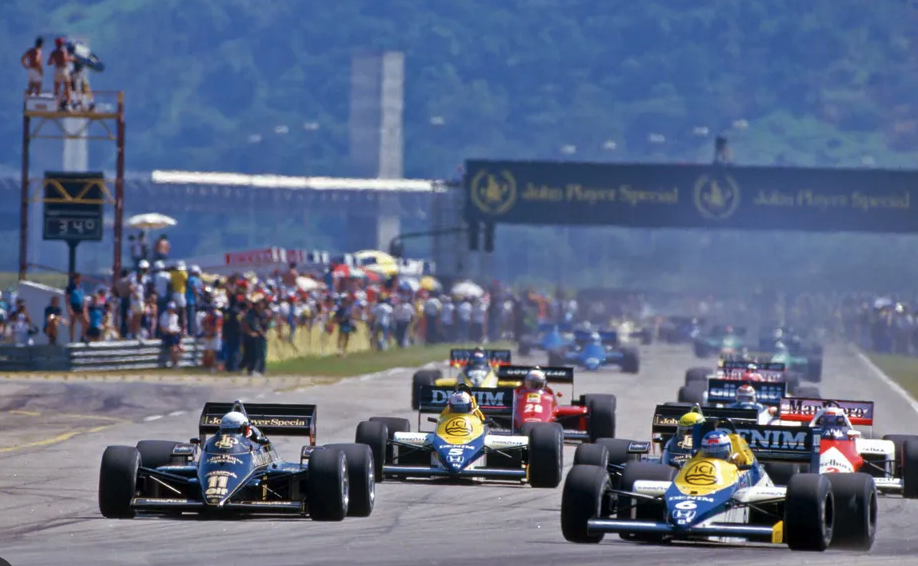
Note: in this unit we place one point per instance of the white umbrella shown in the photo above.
(409, 284)
(150, 221)
(467, 289)
(306, 284)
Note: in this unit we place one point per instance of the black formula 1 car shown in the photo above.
(239, 473)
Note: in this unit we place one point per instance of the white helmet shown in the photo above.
(535, 379)
(460, 402)
(233, 423)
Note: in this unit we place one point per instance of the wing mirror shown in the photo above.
(558, 395)
(431, 419)
(854, 433)
(195, 440)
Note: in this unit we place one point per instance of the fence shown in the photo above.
(96, 356)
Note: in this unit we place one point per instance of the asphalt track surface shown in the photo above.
(49, 481)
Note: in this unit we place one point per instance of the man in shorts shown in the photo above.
(31, 61)
(61, 60)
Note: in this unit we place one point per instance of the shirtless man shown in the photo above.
(31, 61)
(61, 59)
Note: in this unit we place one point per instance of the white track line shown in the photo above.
(152, 418)
(888, 381)
(176, 413)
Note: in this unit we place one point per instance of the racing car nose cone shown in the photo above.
(592, 363)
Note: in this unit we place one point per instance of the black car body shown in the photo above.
(235, 474)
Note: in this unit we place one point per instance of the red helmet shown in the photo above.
(59, 41)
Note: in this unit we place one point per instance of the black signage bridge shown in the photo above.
(690, 196)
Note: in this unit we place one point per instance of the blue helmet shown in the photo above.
(716, 444)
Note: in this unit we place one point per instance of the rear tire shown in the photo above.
(601, 410)
(592, 455)
(524, 348)
(361, 475)
(631, 361)
(909, 461)
(691, 393)
(555, 358)
(781, 472)
(699, 375)
(898, 441)
(424, 377)
(393, 425)
(156, 453)
(856, 511)
(582, 500)
(809, 512)
(814, 370)
(375, 435)
(328, 486)
(546, 455)
(118, 481)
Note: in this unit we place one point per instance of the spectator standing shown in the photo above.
(404, 314)
(232, 333)
(382, 324)
(162, 284)
(22, 325)
(289, 277)
(61, 60)
(478, 317)
(161, 249)
(32, 62)
(212, 327)
(252, 329)
(431, 308)
(139, 282)
(76, 306)
(447, 319)
(96, 313)
(179, 287)
(150, 318)
(463, 320)
(122, 291)
(493, 316)
(345, 320)
(53, 319)
(171, 332)
(193, 291)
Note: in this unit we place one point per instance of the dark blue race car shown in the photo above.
(593, 350)
(549, 337)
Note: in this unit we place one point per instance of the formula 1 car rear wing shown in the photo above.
(737, 368)
(559, 374)
(608, 337)
(270, 418)
(546, 327)
(767, 393)
(459, 357)
(666, 418)
(798, 409)
(495, 401)
(782, 443)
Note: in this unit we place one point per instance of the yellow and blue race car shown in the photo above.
(462, 446)
(725, 495)
(474, 367)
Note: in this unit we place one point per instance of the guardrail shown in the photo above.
(97, 356)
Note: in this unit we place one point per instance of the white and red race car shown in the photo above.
(892, 460)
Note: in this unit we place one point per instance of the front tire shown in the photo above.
(118, 481)
(582, 500)
(909, 461)
(592, 455)
(809, 512)
(546, 455)
(328, 487)
(631, 361)
(856, 506)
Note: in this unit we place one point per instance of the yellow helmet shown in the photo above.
(690, 419)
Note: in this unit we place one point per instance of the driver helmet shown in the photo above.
(478, 358)
(832, 417)
(234, 423)
(688, 421)
(535, 379)
(595, 338)
(752, 373)
(460, 402)
(745, 394)
(716, 444)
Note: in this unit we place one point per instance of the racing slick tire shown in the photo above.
(814, 370)
(361, 474)
(328, 486)
(691, 393)
(374, 434)
(809, 512)
(701, 350)
(420, 378)
(808, 392)
(118, 481)
(909, 461)
(583, 498)
(546, 455)
(555, 358)
(898, 441)
(592, 455)
(601, 410)
(699, 375)
(393, 425)
(637, 509)
(855, 511)
(631, 360)
(619, 455)
(156, 453)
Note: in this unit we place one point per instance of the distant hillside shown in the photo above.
(821, 81)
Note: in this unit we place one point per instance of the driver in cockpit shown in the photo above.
(462, 403)
(234, 423)
(833, 423)
(477, 368)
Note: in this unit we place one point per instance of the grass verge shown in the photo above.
(361, 363)
(901, 369)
